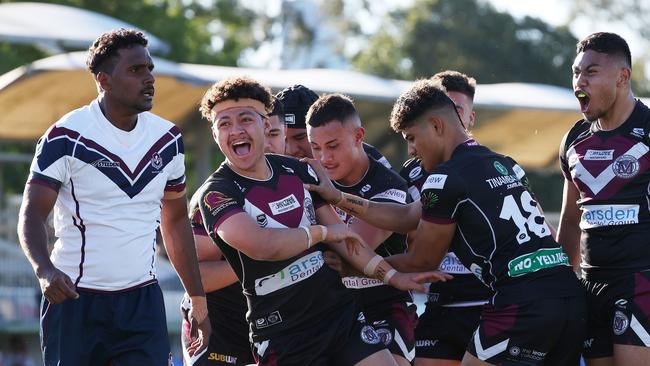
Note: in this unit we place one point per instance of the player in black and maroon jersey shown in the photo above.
(453, 308)
(477, 201)
(605, 160)
(272, 232)
(336, 137)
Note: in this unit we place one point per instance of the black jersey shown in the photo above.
(282, 295)
(375, 154)
(501, 235)
(229, 298)
(610, 170)
(465, 288)
(379, 184)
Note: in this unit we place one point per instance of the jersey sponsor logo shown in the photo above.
(217, 201)
(396, 195)
(361, 282)
(365, 188)
(435, 181)
(638, 132)
(219, 357)
(102, 163)
(599, 155)
(369, 335)
(626, 166)
(385, 336)
(608, 215)
(526, 353)
(289, 119)
(519, 172)
(285, 204)
(156, 161)
(298, 271)
(451, 264)
(511, 180)
(262, 220)
(500, 168)
(426, 343)
(415, 173)
(429, 199)
(540, 259)
(269, 320)
(621, 322)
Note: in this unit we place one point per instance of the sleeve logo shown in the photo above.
(500, 168)
(435, 181)
(216, 201)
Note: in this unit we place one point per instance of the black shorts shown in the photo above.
(395, 324)
(618, 312)
(444, 332)
(338, 338)
(540, 332)
(228, 345)
(123, 328)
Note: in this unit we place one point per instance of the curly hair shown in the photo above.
(455, 81)
(102, 52)
(235, 88)
(424, 95)
(331, 107)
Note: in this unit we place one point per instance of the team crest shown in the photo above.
(621, 322)
(385, 336)
(156, 161)
(626, 166)
(369, 335)
(215, 201)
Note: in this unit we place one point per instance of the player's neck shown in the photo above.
(618, 113)
(118, 117)
(460, 137)
(359, 170)
(259, 171)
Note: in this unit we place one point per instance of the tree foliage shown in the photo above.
(472, 37)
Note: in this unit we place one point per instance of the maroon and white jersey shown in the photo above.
(610, 170)
(283, 295)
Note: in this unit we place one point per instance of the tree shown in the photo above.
(471, 37)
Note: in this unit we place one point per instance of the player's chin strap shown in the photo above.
(199, 310)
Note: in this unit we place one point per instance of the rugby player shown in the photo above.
(477, 201)
(272, 231)
(276, 133)
(113, 172)
(336, 137)
(453, 308)
(604, 159)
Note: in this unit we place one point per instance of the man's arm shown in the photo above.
(38, 201)
(568, 232)
(389, 216)
(427, 249)
(216, 273)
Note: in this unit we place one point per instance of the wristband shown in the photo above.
(372, 264)
(389, 275)
(323, 230)
(309, 240)
(199, 310)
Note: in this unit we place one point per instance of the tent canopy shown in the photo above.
(58, 26)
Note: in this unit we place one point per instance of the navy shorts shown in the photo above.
(124, 328)
(539, 332)
(444, 332)
(229, 343)
(618, 312)
(395, 324)
(338, 338)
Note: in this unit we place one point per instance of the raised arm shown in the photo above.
(568, 232)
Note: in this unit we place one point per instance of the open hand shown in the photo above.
(325, 188)
(415, 281)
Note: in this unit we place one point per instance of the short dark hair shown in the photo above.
(278, 109)
(455, 81)
(424, 95)
(235, 88)
(607, 43)
(104, 50)
(331, 107)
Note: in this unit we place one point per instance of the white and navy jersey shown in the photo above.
(462, 290)
(110, 184)
(379, 184)
(501, 235)
(282, 295)
(610, 170)
(375, 154)
(229, 299)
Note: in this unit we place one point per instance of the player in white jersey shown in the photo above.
(113, 173)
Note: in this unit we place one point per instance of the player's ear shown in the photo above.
(266, 124)
(437, 124)
(103, 80)
(359, 134)
(624, 76)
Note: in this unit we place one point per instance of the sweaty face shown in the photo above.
(239, 132)
(595, 78)
(423, 143)
(335, 145)
(131, 83)
(464, 107)
(275, 136)
(297, 143)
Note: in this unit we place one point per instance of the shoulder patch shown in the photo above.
(435, 181)
(392, 194)
(519, 172)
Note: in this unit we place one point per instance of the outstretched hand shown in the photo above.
(341, 232)
(415, 281)
(325, 188)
